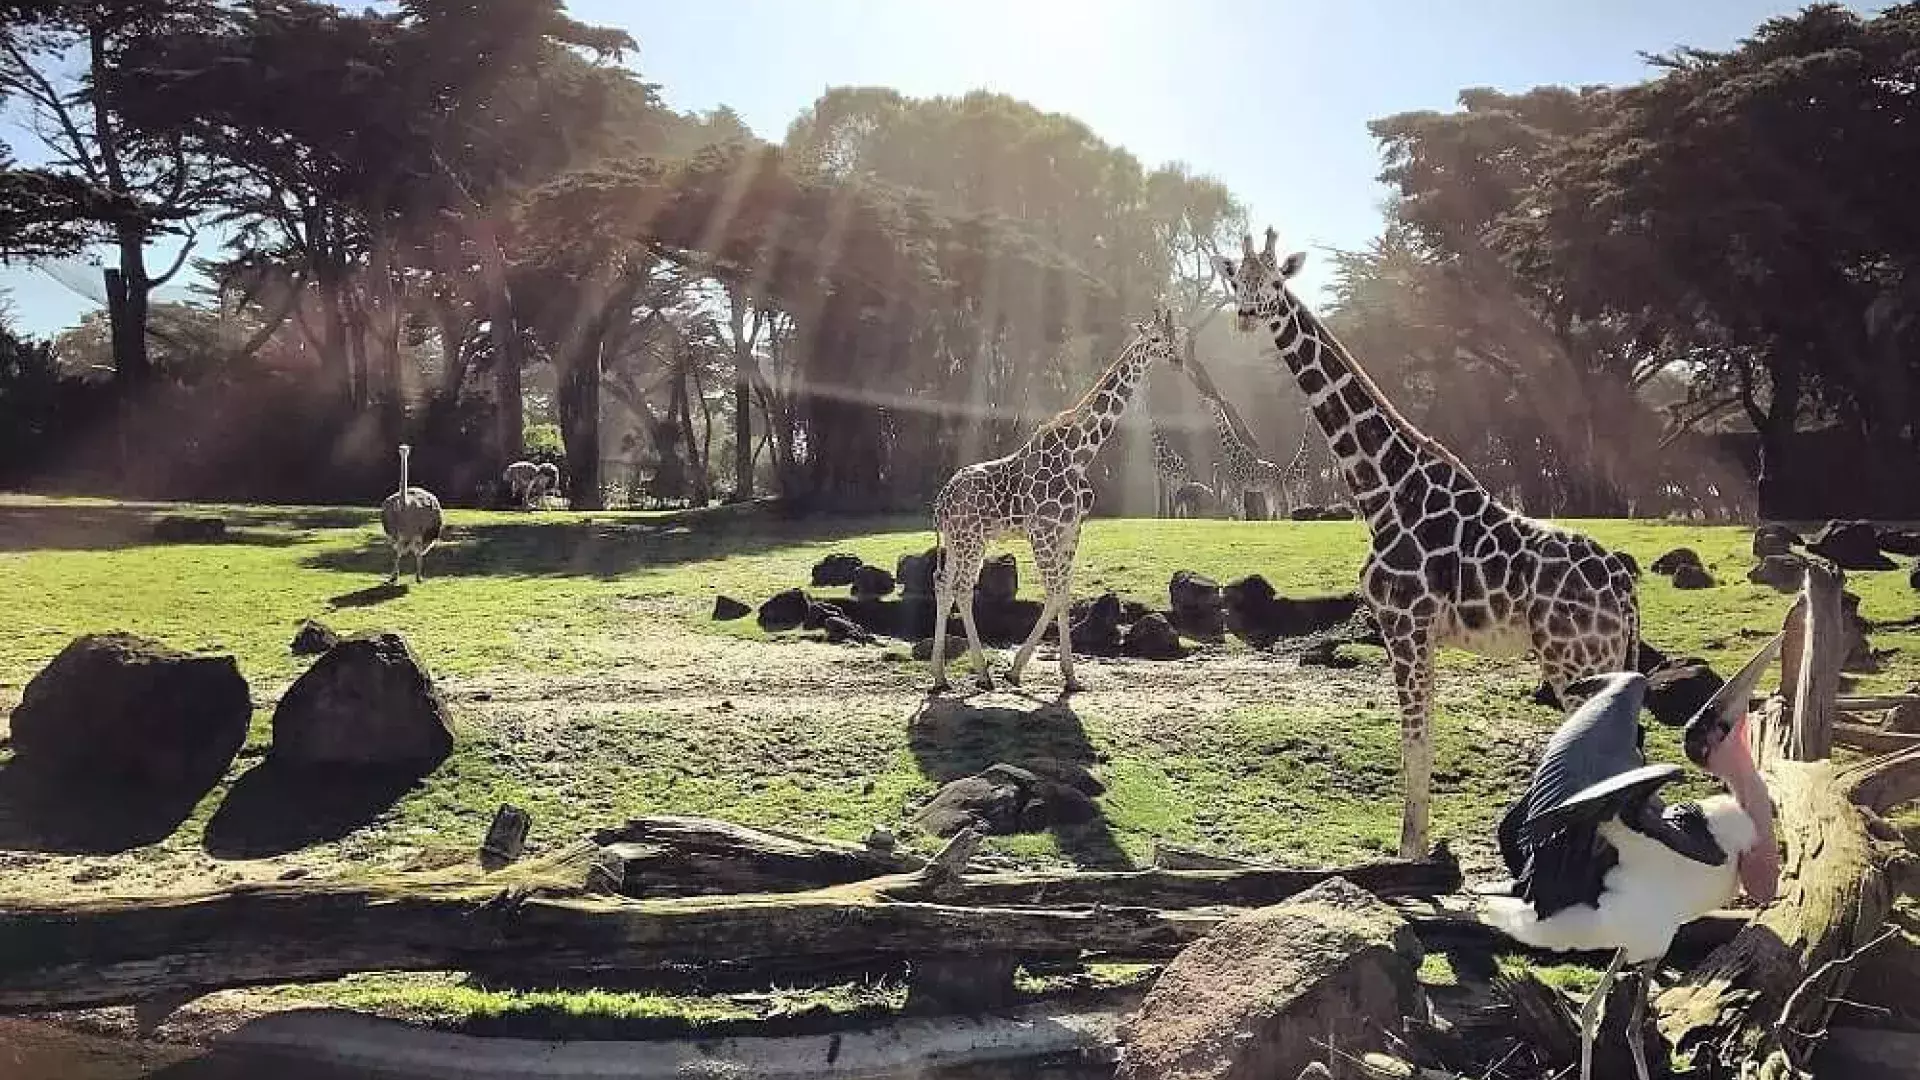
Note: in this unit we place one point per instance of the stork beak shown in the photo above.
(1727, 709)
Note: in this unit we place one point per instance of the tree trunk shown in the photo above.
(578, 399)
(127, 302)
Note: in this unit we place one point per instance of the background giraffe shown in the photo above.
(1177, 493)
(1449, 565)
(1241, 469)
(1293, 477)
(1041, 489)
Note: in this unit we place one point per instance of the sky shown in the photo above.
(1270, 96)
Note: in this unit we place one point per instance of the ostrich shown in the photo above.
(520, 477)
(1600, 863)
(546, 481)
(411, 517)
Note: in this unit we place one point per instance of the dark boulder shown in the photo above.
(120, 707)
(1913, 578)
(784, 611)
(1327, 654)
(1338, 512)
(956, 647)
(1006, 622)
(1198, 608)
(1783, 572)
(1153, 638)
(313, 638)
(367, 703)
(916, 573)
(999, 580)
(1850, 545)
(1095, 625)
(818, 612)
(1003, 799)
(1775, 540)
(1900, 541)
(189, 528)
(1306, 512)
(1679, 688)
(1693, 576)
(872, 583)
(1260, 616)
(842, 630)
(1132, 611)
(726, 609)
(1675, 559)
(836, 569)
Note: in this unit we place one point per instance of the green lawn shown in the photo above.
(590, 685)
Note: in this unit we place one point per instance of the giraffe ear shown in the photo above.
(1293, 264)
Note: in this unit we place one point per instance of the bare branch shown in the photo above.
(179, 259)
(46, 95)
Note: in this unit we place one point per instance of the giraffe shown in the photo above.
(1448, 564)
(1241, 468)
(1293, 477)
(1041, 490)
(1178, 494)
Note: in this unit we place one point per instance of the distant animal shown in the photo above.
(546, 481)
(1448, 565)
(1192, 499)
(412, 519)
(1600, 863)
(520, 477)
(1042, 490)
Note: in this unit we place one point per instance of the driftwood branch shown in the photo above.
(1759, 1003)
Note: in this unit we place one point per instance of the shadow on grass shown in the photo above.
(274, 809)
(53, 527)
(606, 546)
(60, 812)
(952, 738)
(369, 596)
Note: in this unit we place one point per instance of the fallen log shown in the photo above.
(1759, 1004)
(115, 950)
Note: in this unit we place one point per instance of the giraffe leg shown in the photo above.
(981, 676)
(1410, 648)
(959, 568)
(1025, 652)
(1056, 573)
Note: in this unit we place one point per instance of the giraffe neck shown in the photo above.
(1375, 446)
(1239, 455)
(1099, 412)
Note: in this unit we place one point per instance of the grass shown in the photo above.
(613, 694)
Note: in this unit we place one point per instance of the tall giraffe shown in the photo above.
(1449, 565)
(1293, 477)
(1041, 490)
(1177, 493)
(1241, 468)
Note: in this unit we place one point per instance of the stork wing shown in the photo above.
(1601, 801)
(1682, 828)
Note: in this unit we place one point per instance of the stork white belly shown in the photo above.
(1647, 897)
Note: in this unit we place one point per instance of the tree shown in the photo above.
(107, 181)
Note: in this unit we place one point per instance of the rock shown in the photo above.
(1070, 773)
(1675, 559)
(1851, 545)
(1328, 654)
(1632, 564)
(1648, 658)
(1306, 512)
(1692, 576)
(991, 806)
(189, 528)
(1338, 512)
(1913, 577)
(1774, 540)
(871, 583)
(956, 647)
(506, 837)
(312, 639)
(784, 611)
(1153, 638)
(1263, 994)
(1005, 622)
(367, 703)
(1132, 611)
(1783, 572)
(836, 569)
(1003, 799)
(1095, 625)
(1189, 590)
(726, 609)
(1679, 688)
(915, 573)
(1260, 617)
(999, 580)
(1900, 541)
(842, 630)
(881, 838)
(818, 612)
(118, 706)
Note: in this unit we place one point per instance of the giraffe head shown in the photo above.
(1258, 282)
(1162, 339)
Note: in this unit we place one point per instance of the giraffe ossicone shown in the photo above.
(1448, 565)
(1040, 490)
